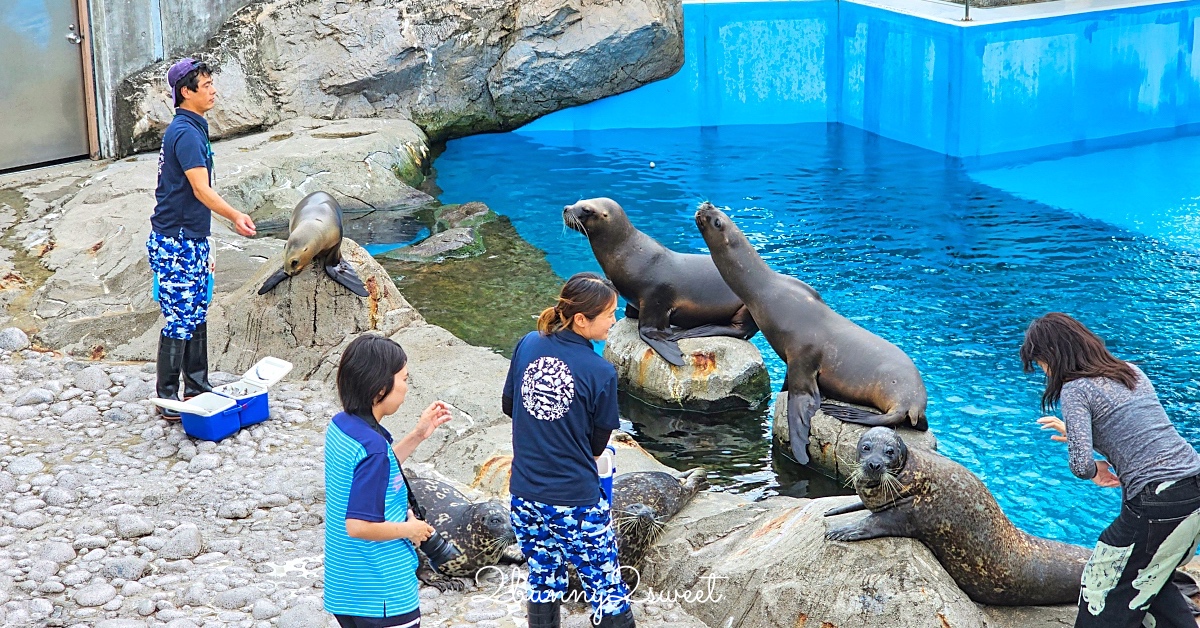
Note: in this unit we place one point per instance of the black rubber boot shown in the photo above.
(543, 615)
(624, 620)
(170, 362)
(195, 363)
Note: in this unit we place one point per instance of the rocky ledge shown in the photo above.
(453, 68)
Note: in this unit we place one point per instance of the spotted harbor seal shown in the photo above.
(642, 504)
(925, 496)
(826, 353)
(672, 295)
(315, 234)
(481, 531)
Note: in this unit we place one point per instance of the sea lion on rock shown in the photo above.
(315, 234)
(642, 504)
(923, 495)
(826, 353)
(481, 531)
(662, 288)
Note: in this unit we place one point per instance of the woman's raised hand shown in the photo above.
(1056, 424)
(438, 413)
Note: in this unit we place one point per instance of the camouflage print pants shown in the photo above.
(552, 536)
(1127, 582)
(182, 267)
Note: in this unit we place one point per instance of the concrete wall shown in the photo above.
(963, 90)
(128, 35)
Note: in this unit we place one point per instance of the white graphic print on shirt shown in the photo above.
(547, 388)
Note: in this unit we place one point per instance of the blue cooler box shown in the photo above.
(250, 392)
(208, 416)
(251, 401)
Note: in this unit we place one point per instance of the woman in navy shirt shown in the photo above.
(562, 398)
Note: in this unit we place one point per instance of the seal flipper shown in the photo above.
(272, 281)
(804, 399)
(890, 522)
(344, 274)
(848, 508)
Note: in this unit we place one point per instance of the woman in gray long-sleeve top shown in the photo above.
(1110, 406)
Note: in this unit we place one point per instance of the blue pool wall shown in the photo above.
(965, 91)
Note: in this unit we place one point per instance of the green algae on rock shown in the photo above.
(491, 299)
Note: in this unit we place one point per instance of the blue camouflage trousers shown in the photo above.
(551, 536)
(182, 268)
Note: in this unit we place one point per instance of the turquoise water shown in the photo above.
(949, 265)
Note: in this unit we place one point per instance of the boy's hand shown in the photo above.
(435, 415)
(416, 530)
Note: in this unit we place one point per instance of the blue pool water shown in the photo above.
(948, 264)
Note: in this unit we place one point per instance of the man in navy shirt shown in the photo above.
(180, 226)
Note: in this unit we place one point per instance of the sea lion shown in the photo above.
(315, 234)
(481, 531)
(826, 353)
(642, 504)
(662, 289)
(923, 495)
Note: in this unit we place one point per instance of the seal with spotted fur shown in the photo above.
(481, 531)
(826, 354)
(672, 295)
(925, 496)
(642, 504)
(315, 234)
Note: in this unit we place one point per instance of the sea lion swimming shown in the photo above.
(925, 496)
(315, 234)
(663, 289)
(826, 353)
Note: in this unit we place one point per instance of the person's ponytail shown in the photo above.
(584, 293)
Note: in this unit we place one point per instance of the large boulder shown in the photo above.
(454, 68)
(307, 320)
(95, 226)
(833, 444)
(768, 564)
(721, 373)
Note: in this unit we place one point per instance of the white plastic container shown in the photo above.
(606, 467)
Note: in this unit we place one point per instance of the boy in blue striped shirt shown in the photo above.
(371, 561)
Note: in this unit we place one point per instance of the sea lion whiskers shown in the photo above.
(570, 220)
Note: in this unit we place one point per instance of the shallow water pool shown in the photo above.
(913, 247)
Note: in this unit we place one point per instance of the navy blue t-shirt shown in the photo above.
(561, 391)
(185, 146)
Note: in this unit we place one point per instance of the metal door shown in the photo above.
(43, 114)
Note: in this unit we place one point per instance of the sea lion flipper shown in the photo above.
(848, 508)
(272, 281)
(343, 273)
(804, 399)
(707, 331)
(662, 345)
